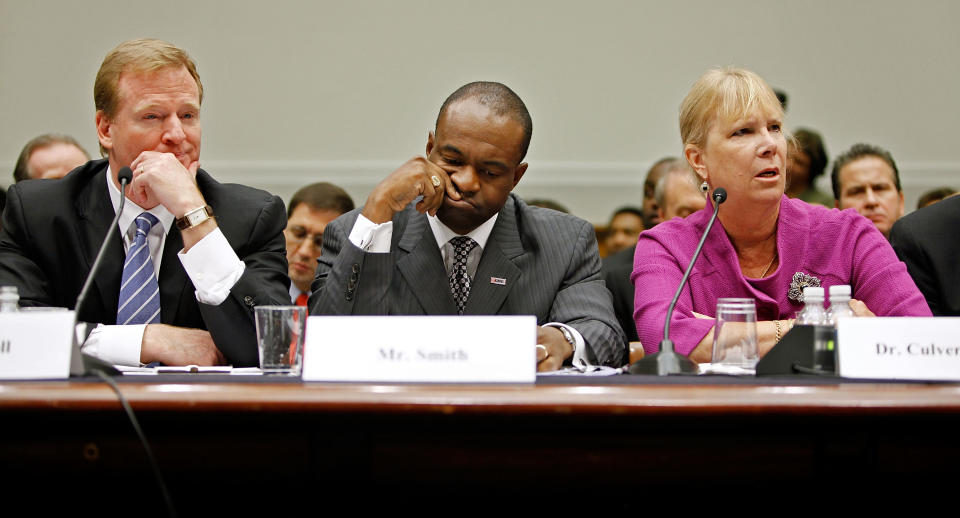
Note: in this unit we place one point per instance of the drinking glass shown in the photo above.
(280, 332)
(735, 333)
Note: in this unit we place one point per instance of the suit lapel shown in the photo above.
(420, 265)
(497, 274)
(94, 215)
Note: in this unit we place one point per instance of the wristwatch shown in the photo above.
(194, 217)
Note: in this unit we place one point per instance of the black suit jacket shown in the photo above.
(52, 230)
(548, 261)
(927, 241)
(616, 273)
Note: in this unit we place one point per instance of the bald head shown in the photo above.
(49, 156)
(499, 99)
(651, 213)
(678, 195)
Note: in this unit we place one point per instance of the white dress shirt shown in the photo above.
(375, 238)
(211, 264)
(295, 293)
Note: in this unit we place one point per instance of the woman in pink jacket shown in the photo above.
(765, 246)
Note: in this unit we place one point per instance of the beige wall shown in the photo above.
(346, 91)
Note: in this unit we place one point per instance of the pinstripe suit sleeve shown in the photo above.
(584, 302)
(350, 281)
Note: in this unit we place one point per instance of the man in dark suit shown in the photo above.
(309, 212)
(444, 235)
(182, 283)
(927, 241)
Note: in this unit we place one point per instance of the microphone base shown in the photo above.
(665, 363)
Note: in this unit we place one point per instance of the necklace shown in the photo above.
(767, 269)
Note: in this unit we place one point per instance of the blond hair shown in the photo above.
(140, 55)
(725, 94)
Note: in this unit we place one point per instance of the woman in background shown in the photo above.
(806, 161)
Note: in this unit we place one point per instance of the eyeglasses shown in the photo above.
(296, 234)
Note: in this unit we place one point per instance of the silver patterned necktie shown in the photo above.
(459, 280)
(139, 301)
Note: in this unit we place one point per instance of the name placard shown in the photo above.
(36, 344)
(472, 349)
(917, 348)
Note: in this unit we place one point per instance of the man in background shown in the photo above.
(309, 212)
(866, 178)
(49, 156)
(624, 229)
(617, 267)
(678, 195)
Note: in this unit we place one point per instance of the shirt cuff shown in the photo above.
(118, 345)
(371, 237)
(579, 351)
(213, 267)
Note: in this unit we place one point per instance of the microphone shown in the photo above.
(125, 176)
(667, 362)
(81, 364)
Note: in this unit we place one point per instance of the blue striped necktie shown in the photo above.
(139, 292)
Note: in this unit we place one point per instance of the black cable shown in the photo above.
(815, 372)
(143, 440)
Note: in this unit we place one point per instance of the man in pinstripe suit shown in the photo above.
(444, 235)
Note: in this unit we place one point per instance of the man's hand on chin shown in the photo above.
(178, 346)
(556, 349)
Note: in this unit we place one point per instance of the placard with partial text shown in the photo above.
(914, 348)
(36, 344)
(467, 349)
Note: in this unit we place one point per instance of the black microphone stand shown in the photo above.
(667, 361)
(89, 363)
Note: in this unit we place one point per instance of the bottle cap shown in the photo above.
(839, 290)
(813, 292)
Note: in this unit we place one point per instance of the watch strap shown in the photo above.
(194, 217)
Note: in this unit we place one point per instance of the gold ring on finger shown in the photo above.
(435, 180)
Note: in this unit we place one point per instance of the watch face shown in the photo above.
(194, 218)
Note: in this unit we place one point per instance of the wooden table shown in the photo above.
(222, 441)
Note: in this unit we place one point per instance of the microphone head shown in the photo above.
(719, 195)
(125, 175)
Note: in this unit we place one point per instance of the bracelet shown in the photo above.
(777, 323)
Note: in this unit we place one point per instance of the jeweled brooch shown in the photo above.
(799, 282)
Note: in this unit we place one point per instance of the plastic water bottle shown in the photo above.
(839, 308)
(9, 299)
(839, 304)
(814, 315)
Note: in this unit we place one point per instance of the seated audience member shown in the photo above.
(926, 240)
(866, 178)
(49, 156)
(617, 267)
(469, 246)
(179, 283)
(651, 212)
(930, 197)
(764, 246)
(624, 228)
(806, 161)
(311, 209)
(678, 195)
(547, 204)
